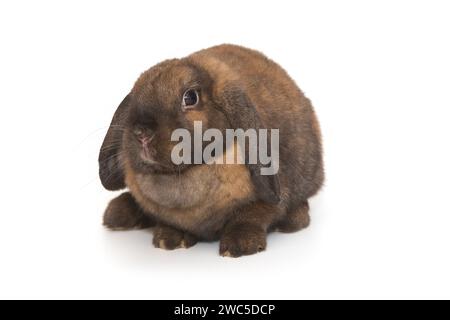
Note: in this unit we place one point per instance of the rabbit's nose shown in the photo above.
(144, 136)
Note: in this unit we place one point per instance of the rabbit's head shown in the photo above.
(172, 95)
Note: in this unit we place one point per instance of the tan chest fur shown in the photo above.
(198, 200)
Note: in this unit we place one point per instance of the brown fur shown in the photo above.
(206, 191)
(239, 88)
(123, 213)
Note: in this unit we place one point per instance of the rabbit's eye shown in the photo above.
(190, 99)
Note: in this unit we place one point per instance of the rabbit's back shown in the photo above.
(281, 105)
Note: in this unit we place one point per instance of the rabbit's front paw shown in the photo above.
(242, 239)
(168, 238)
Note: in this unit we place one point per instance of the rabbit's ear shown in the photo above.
(110, 168)
(242, 114)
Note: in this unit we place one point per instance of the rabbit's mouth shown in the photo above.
(146, 162)
(147, 155)
(150, 166)
(147, 159)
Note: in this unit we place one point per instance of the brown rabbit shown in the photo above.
(224, 87)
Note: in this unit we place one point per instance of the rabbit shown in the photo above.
(225, 86)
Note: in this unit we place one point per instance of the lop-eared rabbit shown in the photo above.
(223, 87)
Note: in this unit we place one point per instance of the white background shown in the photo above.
(378, 73)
